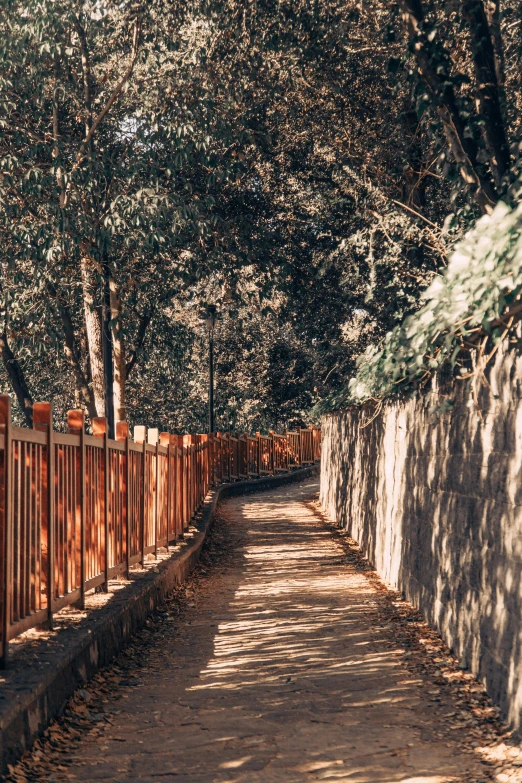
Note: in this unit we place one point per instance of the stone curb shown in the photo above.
(44, 694)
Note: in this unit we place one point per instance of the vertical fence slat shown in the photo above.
(153, 439)
(122, 436)
(5, 525)
(164, 440)
(140, 436)
(99, 430)
(76, 426)
(43, 421)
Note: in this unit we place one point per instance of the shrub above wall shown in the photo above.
(467, 311)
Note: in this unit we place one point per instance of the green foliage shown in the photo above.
(483, 282)
(284, 160)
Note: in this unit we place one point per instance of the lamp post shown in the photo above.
(209, 319)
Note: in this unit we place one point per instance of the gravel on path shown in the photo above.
(283, 659)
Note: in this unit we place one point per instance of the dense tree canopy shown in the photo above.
(305, 166)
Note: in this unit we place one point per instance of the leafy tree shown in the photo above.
(98, 159)
(293, 163)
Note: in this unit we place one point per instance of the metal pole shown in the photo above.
(211, 380)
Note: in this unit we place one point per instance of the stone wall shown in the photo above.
(435, 500)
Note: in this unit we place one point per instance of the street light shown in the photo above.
(208, 318)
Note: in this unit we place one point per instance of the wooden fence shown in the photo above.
(77, 510)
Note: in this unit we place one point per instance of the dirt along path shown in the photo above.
(283, 659)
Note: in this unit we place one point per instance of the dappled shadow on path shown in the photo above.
(277, 671)
(308, 686)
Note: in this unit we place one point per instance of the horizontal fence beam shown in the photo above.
(77, 510)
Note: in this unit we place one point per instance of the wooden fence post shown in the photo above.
(191, 442)
(185, 473)
(205, 439)
(198, 470)
(210, 460)
(43, 421)
(259, 454)
(201, 479)
(76, 426)
(164, 439)
(153, 440)
(140, 436)
(99, 430)
(6, 507)
(217, 458)
(195, 478)
(122, 435)
(229, 456)
(186, 478)
(178, 439)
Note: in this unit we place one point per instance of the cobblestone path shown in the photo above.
(277, 671)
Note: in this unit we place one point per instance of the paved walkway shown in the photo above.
(275, 672)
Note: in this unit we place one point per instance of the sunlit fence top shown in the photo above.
(77, 510)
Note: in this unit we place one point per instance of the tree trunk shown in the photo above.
(83, 391)
(487, 88)
(108, 367)
(17, 379)
(461, 146)
(93, 328)
(118, 348)
(493, 13)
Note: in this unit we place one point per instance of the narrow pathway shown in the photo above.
(277, 671)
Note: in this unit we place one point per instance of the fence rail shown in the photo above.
(77, 510)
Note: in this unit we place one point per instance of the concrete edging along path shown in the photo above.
(43, 689)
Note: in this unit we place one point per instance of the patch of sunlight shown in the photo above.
(429, 779)
(235, 764)
(382, 660)
(501, 752)
(360, 775)
(314, 766)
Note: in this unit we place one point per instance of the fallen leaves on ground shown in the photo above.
(93, 706)
(428, 657)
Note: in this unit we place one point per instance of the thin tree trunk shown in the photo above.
(93, 328)
(493, 12)
(83, 393)
(118, 348)
(487, 88)
(17, 379)
(108, 366)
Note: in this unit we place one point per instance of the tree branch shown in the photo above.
(80, 155)
(56, 133)
(143, 325)
(17, 378)
(87, 75)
